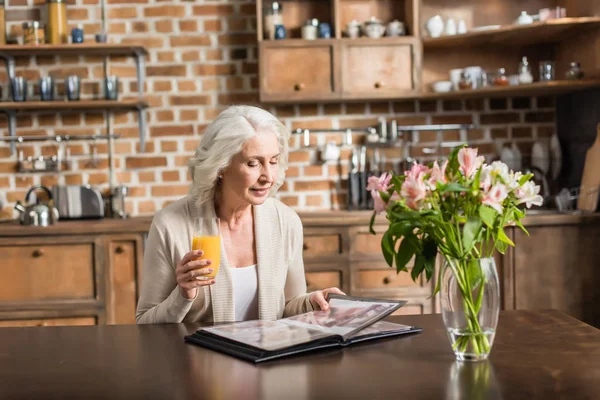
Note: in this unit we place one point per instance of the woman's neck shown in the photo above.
(231, 212)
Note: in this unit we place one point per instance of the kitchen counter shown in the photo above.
(312, 219)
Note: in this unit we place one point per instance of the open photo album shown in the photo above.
(348, 320)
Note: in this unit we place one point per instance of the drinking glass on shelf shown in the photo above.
(207, 237)
(546, 71)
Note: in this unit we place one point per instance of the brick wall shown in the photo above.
(203, 58)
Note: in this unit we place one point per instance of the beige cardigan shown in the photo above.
(281, 281)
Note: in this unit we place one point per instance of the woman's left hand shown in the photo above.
(318, 299)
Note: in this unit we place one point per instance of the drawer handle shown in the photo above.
(299, 86)
(387, 280)
(119, 250)
(37, 253)
(378, 85)
(304, 246)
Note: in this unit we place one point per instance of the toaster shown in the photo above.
(78, 202)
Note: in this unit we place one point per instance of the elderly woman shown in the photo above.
(236, 170)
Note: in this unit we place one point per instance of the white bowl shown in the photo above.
(442, 86)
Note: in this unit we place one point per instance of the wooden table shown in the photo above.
(542, 355)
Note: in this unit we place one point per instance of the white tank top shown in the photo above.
(245, 293)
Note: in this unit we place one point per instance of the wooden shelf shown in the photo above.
(534, 89)
(98, 49)
(396, 40)
(34, 106)
(517, 35)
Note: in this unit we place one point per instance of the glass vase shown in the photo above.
(470, 305)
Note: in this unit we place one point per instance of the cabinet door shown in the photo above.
(299, 72)
(123, 261)
(370, 68)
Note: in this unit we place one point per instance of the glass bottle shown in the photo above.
(500, 79)
(56, 11)
(273, 17)
(525, 76)
(574, 71)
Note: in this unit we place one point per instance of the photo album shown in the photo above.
(348, 320)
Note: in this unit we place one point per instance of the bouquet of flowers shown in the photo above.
(458, 208)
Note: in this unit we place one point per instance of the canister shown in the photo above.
(56, 11)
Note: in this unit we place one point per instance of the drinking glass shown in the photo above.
(207, 237)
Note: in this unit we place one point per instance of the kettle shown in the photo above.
(38, 214)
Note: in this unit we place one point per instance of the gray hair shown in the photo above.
(224, 138)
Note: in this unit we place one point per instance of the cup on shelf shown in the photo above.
(450, 28)
(77, 35)
(73, 87)
(111, 87)
(280, 32)
(101, 37)
(46, 88)
(395, 28)
(455, 75)
(352, 29)
(546, 71)
(18, 88)
(309, 29)
(324, 30)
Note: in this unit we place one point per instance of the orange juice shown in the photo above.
(211, 246)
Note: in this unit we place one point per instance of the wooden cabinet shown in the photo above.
(338, 68)
(557, 266)
(388, 71)
(312, 77)
(124, 262)
(78, 273)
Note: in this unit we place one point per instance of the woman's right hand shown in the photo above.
(190, 274)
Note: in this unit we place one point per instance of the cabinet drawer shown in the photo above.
(297, 72)
(49, 322)
(46, 272)
(384, 279)
(323, 280)
(389, 68)
(368, 244)
(322, 245)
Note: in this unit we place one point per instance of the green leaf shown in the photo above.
(417, 268)
(520, 225)
(474, 273)
(524, 179)
(405, 252)
(405, 215)
(476, 181)
(402, 228)
(503, 238)
(488, 215)
(518, 213)
(453, 187)
(387, 247)
(430, 253)
(397, 182)
(471, 232)
(501, 246)
(371, 230)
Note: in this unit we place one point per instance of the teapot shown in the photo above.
(38, 214)
(374, 28)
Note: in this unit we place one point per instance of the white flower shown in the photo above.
(492, 174)
(528, 194)
(495, 196)
(513, 180)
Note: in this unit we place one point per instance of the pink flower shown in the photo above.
(495, 197)
(468, 161)
(382, 183)
(416, 170)
(528, 194)
(414, 189)
(437, 175)
(378, 204)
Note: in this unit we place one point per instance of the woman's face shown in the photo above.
(253, 171)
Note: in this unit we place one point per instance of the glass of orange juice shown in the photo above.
(207, 237)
